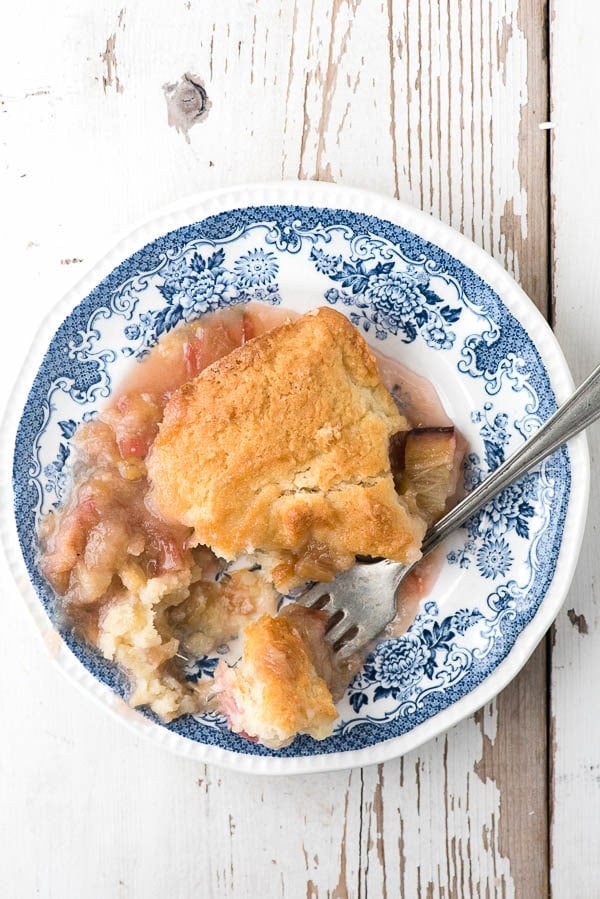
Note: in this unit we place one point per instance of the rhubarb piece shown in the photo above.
(428, 471)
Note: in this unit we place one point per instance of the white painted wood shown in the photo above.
(576, 651)
(431, 102)
(425, 813)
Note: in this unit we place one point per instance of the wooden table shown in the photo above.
(482, 113)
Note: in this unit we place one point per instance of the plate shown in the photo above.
(418, 291)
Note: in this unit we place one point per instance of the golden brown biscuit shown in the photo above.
(274, 692)
(282, 447)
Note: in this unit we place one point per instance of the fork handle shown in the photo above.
(579, 411)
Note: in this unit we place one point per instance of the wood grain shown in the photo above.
(438, 104)
(575, 728)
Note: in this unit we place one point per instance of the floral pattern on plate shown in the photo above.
(412, 299)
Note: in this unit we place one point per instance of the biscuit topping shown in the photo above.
(282, 448)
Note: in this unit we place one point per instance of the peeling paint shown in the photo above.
(390, 39)
(327, 82)
(378, 809)
(513, 227)
(109, 58)
(502, 45)
(508, 727)
(402, 857)
(512, 65)
(578, 621)
(341, 889)
(111, 79)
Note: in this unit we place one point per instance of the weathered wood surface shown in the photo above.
(574, 724)
(439, 104)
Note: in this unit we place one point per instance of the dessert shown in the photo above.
(247, 453)
(275, 692)
(131, 584)
(281, 448)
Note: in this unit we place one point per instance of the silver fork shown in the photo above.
(362, 600)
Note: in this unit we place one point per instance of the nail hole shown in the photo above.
(187, 102)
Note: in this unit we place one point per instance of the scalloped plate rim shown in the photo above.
(301, 193)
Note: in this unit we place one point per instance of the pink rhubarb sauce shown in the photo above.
(106, 517)
(419, 402)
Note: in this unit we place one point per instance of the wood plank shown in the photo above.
(468, 158)
(435, 104)
(575, 799)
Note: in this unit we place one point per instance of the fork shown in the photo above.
(362, 600)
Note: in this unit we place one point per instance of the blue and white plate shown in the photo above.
(419, 292)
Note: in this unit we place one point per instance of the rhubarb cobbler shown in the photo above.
(247, 453)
